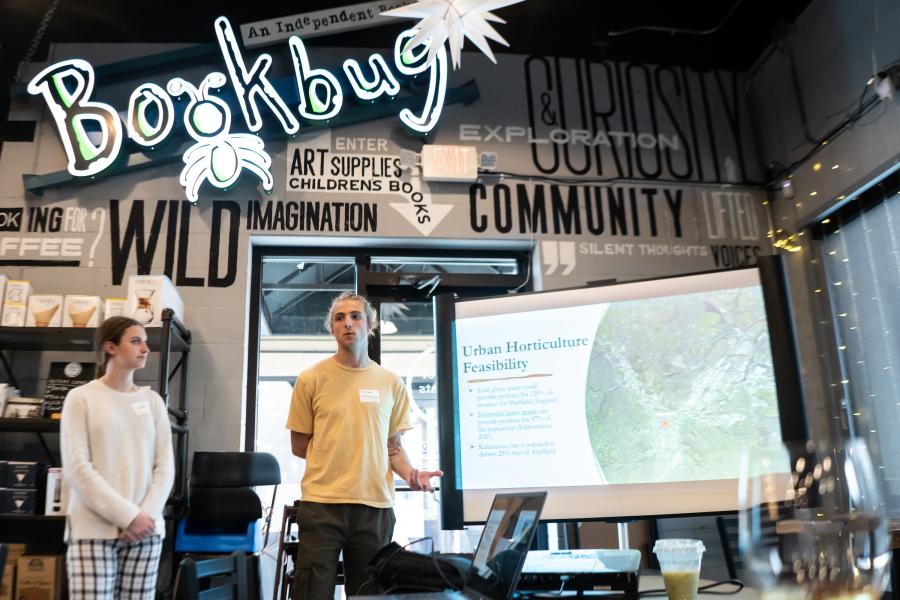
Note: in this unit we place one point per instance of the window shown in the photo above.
(860, 245)
(292, 292)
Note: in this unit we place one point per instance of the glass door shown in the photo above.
(407, 349)
(292, 291)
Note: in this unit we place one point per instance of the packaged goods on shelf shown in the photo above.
(3, 280)
(7, 583)
(57, 499)
(18, 501)
(44, 310)
(113, 307)
(82, 311)
(15, 303)
(40, 577)
(17, 292)
(23, 474)
(14, 314)
(7, 393)
(148, 295)
(13, 553)
(23, 408)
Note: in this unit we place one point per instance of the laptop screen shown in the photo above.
(504, 543)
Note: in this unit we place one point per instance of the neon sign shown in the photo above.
(92, 133)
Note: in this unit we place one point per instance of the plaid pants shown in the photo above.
(113, 569)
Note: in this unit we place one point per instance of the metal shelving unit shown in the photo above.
(171, 337)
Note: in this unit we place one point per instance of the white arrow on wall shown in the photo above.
(436, 214)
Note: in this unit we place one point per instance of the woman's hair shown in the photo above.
(110, 330)
(371, 315)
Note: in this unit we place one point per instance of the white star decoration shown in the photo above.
(453, 21)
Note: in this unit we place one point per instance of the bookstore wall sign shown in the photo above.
(605, 167)
(93, 135)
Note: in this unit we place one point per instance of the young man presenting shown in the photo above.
(346, 418)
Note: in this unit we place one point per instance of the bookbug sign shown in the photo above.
(93, 134)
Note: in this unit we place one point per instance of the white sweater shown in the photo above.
(117, 459)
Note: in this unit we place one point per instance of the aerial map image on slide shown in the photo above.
(677, 386)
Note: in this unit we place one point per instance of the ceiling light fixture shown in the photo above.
(452, 21)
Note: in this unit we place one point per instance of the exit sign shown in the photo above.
(449, 163)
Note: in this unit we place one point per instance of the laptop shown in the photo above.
(504, 543)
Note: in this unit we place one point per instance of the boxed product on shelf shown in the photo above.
(7, 392)
(3, 280)
(17, 292)
(44, 310)
(82, 311)
(57, 499)
(14, 314)
(23, 474)
(14, 552)
(8, 586)
(40, 577)
(19, 407)
(148, 295)
(15, 303)
(8, 582)
(18, 501)
(113, 307)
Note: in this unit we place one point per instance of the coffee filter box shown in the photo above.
(44, 310)
(17, 292)
(114, 307)
(14, 315)
(148, 295)
(15, 303)
(82, 311)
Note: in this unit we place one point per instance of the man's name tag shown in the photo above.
(369, 396)
(141, 408)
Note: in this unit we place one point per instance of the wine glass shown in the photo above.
(812, 523)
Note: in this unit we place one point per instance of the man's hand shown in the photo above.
(420, 481)
(139, 529)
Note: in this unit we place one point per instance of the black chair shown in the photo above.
(215, 578)
(223, 511)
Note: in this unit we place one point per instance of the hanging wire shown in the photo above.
(38, 37)
(679, 30)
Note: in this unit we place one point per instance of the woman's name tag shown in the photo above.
(141, 408)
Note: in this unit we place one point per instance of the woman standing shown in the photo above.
(116, 448)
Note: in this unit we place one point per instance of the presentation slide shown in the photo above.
(636, 390)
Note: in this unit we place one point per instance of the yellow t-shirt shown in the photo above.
(350, 413)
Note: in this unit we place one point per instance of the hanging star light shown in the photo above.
(452, 21)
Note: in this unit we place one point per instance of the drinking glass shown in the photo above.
(812, 523)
